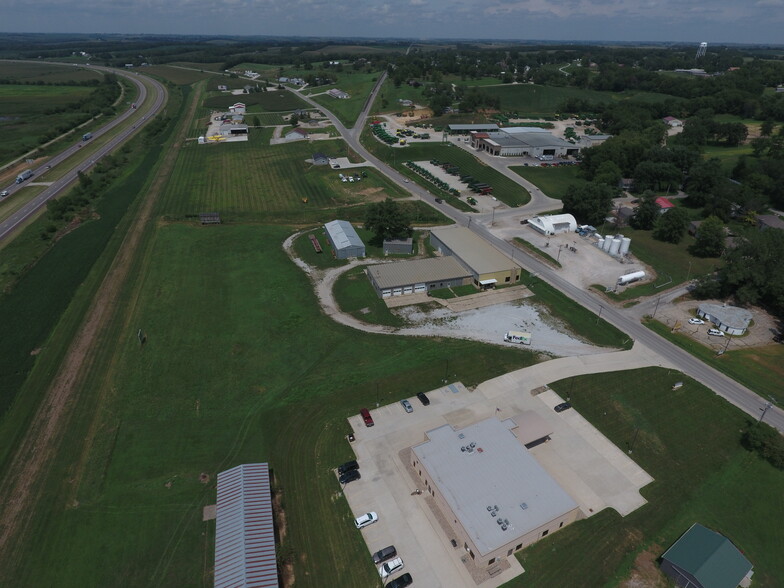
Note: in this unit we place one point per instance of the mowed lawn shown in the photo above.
(553, 181)
(357, 85)
(272, 101)
(178, 75)
(688, 440)
(254, 180)
(240, 365)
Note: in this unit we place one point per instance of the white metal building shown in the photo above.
(344, 239)
(554, 224)
(245, 530)
(730, 319)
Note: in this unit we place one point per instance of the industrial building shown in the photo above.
(487, 265)
(344, 240)
(398, 246)
(730, 319)
(702, 558)
(458, 129)
(490, 489)
(532, 141)
(554, 224)
(417, 276)
(245, 530)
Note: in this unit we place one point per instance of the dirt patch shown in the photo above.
(204, 478)
(285, 563)
(646, 573)
(36, 351)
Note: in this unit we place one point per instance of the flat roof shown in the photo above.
(417, 271)
(514, 130)
(474, 251)
(343, 234)
(495, 470)
(530, 426)
(458, 127)
(539, 139)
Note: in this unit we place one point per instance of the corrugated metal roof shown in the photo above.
(342, 234)
(245, 532)
(459, 127)
(474, 251)
(417, 271)
(497, 471)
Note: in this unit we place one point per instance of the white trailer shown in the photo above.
(24, 176)
(517, 337)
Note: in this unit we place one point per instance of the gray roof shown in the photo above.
(498, 471)
(474, 251)
(730, 316)
(417, 271)
(484, 127)
(244, 532)
(515, 130)
(770, 220)
(342, 234)
(539, 139)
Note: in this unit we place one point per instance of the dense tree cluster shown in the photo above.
(388, 220)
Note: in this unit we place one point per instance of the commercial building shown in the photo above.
(458, 129)
(730, 319)
(702, 558)
(487, 266)
(245, 530)
(344, 240)
(531, 141)
(554, 224)
(491, 491)
(417, 276)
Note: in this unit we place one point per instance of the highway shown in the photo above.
(8, 226)
(626, 321)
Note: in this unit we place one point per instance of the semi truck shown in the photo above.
(87, 136)
(26, 174)
(517, 337)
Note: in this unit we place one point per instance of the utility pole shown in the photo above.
(657, 307)
(601, 308)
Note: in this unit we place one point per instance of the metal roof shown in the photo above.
(343, 235)
(474, 251)
(538, 139)
(484, 127)
(245, 534)
(515, 130)
(710, 557)
(496, 471)
(417, 271)
(730, 316)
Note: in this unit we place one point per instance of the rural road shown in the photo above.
(626, 321)
(8, 226)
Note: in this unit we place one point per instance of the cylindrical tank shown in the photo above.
(615, 245)
(607, 243)
(600, 242)
(625, 242)
(632, 277)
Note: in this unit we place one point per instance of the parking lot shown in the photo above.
(594, 472)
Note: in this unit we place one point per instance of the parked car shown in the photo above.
(348, 466)
(715, 332)
(407, 406)
(365, 520)
(383, 555)
(696, 321)
(389, 568)
(563, 406)
(366, 417)
(349, 476)
(423, 399)
(401, 582)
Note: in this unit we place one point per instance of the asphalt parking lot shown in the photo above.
(588, 466)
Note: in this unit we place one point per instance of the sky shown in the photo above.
(714, 21)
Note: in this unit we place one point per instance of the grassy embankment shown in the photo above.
(553, 181)
(357, 85)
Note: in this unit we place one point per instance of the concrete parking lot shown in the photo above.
(588, 466)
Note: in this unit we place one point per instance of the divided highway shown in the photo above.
(726, 387)
(8, 226)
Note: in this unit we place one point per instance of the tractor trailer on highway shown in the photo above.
(26, 174)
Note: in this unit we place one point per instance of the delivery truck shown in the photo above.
(517, 337)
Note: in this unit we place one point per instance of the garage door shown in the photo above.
(386, 293)
(419, 288)
(408, 290)
(397, 292)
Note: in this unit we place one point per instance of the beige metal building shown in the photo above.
(488, 266)
(417, 275)
(490, 489)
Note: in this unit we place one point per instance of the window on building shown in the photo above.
(491, 562)
(545, 532)
(507, 279)
(519, 547)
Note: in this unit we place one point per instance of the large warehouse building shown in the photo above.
(417, 276)
(490, 489)
(487, 265)
(344, 239)
(531, 141)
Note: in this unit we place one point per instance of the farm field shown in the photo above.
(32, 72)
(553, 181)
(689, 441)
(277, 101)
(358, 86)
(253, 181)
(240, 365)
(215, 66)
(177, 75)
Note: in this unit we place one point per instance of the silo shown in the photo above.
(615, 245)
(600, 242)
(625, 242)
(607, 243)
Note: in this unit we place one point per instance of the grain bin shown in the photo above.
(625, 243)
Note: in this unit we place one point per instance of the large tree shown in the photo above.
(589, 203)
(710, 238)
(388, 220)
(672, 225)
(647, 212)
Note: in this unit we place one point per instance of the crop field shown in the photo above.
(688, 440)
(277, 101)
(254, 180)
(553, 181)
(357, 85)
(215, 66)
(178, 75)
(728, 156)
(46, 72)
(240, 366)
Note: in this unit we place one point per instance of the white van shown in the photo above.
(715, 332)
(517, 337)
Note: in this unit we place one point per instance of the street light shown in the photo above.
(766, 409)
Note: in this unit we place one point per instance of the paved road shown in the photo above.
(722, 385)
(8, 226)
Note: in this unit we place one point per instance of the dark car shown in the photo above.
(563, 406)
(383, 555)
(423, 399)
(350, 476)
(348, 466)
(366, 417)
(439, 200)
(401, 582)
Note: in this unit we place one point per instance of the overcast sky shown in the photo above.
(714, 21)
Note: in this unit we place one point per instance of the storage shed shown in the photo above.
(344, 239)
(730, 319)
(398, 246)
(554, 224)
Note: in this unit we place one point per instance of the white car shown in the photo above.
(4, 193)
(715, 332)
(696, 321)
(393, 566)
(365, 520)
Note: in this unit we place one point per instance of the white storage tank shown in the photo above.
(625, 243)
(600, 242)
(607, 243)
(615, 246)
(632, 277)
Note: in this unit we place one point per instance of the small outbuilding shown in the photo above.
(672, 121)
(730, 319)
(237, 108)
(769, 221)
(554, 224)
(344, 239)
(702, 558)
(320, 159)
(398, 246)
(664, 204)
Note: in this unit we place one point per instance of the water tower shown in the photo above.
(701, 50)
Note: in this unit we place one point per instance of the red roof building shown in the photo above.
(664, 204)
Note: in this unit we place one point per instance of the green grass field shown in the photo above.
(357, 85)
(688, 440)
(46, 72)
(274, 101)
(177, 75)
(553, 181)
(728, 156)
(390, 95)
